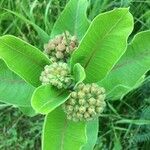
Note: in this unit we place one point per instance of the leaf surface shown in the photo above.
(104, 43)
(22, 58)
(15, 91)
(73, 19)
(92, 134)
(62, 134)
(78, 73)
(131, 67)
(46, 98)
(28, 111)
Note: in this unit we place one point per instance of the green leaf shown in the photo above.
(13, 90)
(73, 19)
(130, 69)
(46, 98)
(44, 37)
(28, 111)
(117, 144)
(62, 134)
(92, 133)
(104, 43)
(22, 58)
(136, 122)
(78, 73)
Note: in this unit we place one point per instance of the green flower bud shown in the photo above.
(87, 101)
(99, 109)
(86, 89)
(79, 115)
(82, 101)
(59, 55)
(69, 117)
(81, 94)
(69, 108)
(92, 101)
(57, 74)
(74, 95)
(60, 47)
(76, 108)
(82, 109)
(86, 115)
(91, 110)
(75, 119)
(72, 101)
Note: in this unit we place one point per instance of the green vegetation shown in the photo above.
(115, 133)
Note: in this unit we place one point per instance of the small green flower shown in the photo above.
(86, 102)
(56, 74)
(60, 47)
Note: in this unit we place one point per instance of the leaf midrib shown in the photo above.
(130, 60)
(63, 133)
(54, 98)
(11, 80)
(107, 33)
(32, 60)
(76, 15)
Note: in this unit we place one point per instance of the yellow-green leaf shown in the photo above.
(22, 58)
(104, 43)
(62, 134)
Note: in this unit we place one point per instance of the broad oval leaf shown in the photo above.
(46, 98)
(78, 73)
(104, 43)
(62, 134)
(15, 91)
(22, 58)
(73, 19)
(92, 134)
(130, 68)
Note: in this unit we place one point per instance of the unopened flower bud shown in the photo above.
(79, 115)
(61, 47)
(69, 108)
(57, 74)
(99, 109)
(86, 115)
(59, 55)
(86, 106)
(92, 101)
(81, 94)
(91, 110)
(82, 109)
(82, 101)
(73, 94)
(72, 101)
(76, 108)
(64, 43)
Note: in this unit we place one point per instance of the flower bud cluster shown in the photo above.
(85, 102)
(57, 74)
(61, 47)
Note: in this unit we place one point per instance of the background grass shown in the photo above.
(18, 132)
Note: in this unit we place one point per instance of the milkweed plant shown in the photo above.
(84, 64)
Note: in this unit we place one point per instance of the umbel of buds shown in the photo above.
(85, 103)
(60, 47)
(57, 74)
